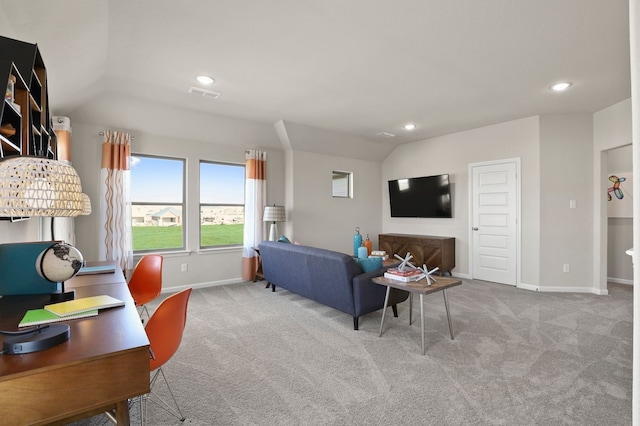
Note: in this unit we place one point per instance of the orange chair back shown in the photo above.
(165, 327)
(146, 280)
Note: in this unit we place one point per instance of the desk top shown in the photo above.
(441, 283)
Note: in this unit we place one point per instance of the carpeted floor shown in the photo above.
(253, 357)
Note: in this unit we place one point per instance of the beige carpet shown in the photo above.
(253, 357)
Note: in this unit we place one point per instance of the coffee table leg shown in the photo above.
(422, 320)
(410, 308)
(384, 308)
(446, 305)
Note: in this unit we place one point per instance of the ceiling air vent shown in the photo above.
(386, 135)
(204, 92)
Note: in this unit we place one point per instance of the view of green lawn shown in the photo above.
(170, 237)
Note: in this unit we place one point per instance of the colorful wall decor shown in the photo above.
(620, 195)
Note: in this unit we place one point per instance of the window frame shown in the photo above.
(201, 204)
(183, 205)
(338, 174)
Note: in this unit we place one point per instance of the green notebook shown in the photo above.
(42, 316)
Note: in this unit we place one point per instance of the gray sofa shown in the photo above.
(328, 277)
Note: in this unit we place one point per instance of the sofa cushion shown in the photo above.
(369, 264)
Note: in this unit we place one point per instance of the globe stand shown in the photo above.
(57, 263)
(63, 296)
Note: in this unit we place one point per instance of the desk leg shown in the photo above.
(422, 320)
(122, 413)
(384, 309)
(446, 305)
(410, 308)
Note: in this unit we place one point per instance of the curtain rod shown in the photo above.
(102, 134)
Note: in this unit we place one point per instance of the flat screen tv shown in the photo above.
(426, 196)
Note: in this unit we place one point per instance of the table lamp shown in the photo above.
(274, 214)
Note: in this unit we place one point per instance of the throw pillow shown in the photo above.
(284, 239)
(369, 264)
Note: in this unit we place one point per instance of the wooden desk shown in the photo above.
(104, 362)
(420, 287)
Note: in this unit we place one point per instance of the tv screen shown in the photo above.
(427, 196)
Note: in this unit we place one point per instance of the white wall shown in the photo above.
(323, 221)
(26, 230)
(451, 154)
(566, 174)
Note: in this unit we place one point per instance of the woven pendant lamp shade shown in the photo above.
(86, 203)
(37, 186)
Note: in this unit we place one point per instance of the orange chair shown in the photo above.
(164, 330)
(146, 281)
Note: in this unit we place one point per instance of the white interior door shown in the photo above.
(494, 204)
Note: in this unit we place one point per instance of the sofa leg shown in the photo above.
(395, 310)
(273, 287)
(355, 323)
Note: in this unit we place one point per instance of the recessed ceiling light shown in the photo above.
(205, 79)
(386, 135)
(409, 126)
(559, 87)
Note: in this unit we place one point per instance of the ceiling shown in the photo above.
(359, 67)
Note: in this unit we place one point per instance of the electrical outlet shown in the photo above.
(184, 267)
(565, 267)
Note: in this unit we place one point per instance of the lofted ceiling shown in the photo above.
(359, 67)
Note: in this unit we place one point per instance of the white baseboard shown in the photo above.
(176, 288)
(619, 281)
(556, 289)
(529, 287)
(465, 276)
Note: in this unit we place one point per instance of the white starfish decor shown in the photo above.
(404, 262)
(426, 273)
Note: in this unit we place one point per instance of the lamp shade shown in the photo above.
(274, 214)
(86, 205)
(38, 186)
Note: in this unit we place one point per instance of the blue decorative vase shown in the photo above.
(362, 252)
(357, 242)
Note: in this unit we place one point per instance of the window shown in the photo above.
(157, 203)
(221, 204)
(341, 185)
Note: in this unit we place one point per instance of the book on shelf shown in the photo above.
(42, 316)
(405, 279)
(404, 273)
(84, 304)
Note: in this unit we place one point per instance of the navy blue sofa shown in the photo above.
(328, 277)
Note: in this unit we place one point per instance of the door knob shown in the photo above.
(474, 228)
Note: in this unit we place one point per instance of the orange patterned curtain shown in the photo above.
(255, 198)
(115, 200)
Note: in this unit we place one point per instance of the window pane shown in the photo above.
(221, 204)
(157, 201)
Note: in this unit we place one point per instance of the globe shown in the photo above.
(59, 262)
